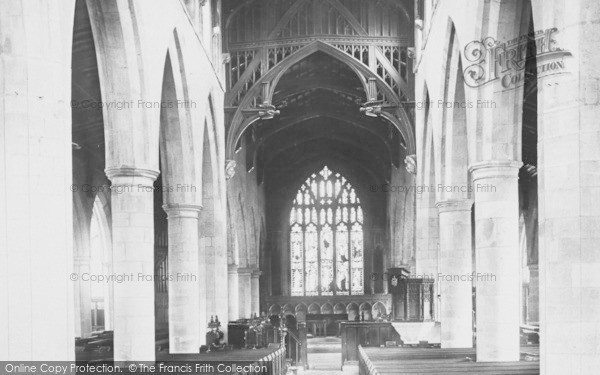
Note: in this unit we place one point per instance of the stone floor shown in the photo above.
(324, 356)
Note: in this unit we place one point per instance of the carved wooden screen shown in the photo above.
(326, 237)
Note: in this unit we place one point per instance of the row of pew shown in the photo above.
(435, 361)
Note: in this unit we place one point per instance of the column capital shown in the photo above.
(256, 273)
(495, 169)
(131, 175)
(244, 271)
(450, 205)
(182, 210)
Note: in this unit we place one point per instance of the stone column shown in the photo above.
(569, 191)
(132, 200)
(427, 241)
(245, 292)
(533, 299)
(108, 290)
(221, 267)
(234, 303)
(497, 276)
(255, 303)
(454, 280)
(83, 297)
(184, 282)
(36, 200)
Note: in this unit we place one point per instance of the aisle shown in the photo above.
(324, 356)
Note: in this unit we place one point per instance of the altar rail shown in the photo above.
(300, 306)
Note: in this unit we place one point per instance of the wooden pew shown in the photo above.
(400, 361)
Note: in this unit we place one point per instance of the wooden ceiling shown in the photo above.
(319, 99)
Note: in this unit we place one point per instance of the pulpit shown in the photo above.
(412, 298)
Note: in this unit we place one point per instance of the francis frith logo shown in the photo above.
(491, 60)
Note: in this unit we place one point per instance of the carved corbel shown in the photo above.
(266, 110)
(374, 107)
(419, 24)
(411, 164)
(226, 58)
(229, 169)
(377, 108)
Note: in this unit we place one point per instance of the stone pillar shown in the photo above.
(427, 241)
(184, 283)
(36, 200)
(569, 191)
(255, 303)
(245, 292)
(83, 297)
(203, 267)
(455, 285)
(108, 291)
(221, 267)
(533, 299)
(497, 276)
(234, 303)
(132, 202)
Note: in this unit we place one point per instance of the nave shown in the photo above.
(323, 186)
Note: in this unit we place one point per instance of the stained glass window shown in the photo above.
(326, 237)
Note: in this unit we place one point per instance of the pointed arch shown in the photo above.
(499, 129)
(454, 143)
(326, 308)
(288, 309)
(301, 307)
(379, 308)
(274, 309)
(122, 75)
(178, 140)
(314, 308)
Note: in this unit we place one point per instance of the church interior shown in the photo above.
(316, 186)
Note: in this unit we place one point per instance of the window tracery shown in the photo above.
(326, 237)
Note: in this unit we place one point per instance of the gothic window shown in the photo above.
(326, 237)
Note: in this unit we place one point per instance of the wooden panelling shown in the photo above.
(365, 334)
